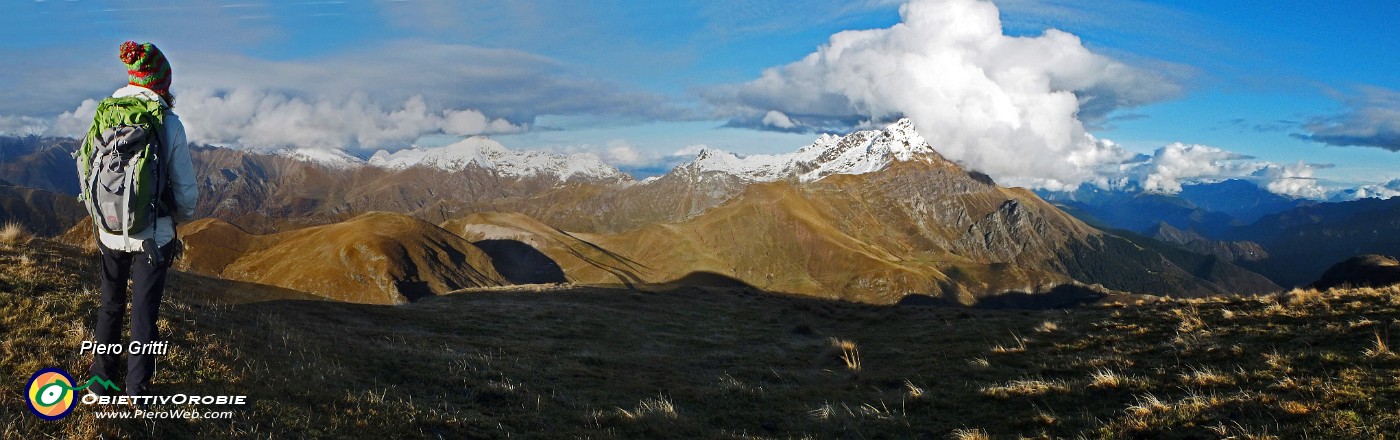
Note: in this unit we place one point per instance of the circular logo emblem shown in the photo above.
(50, 394)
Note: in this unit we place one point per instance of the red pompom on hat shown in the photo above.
(146, 66)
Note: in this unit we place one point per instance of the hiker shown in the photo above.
(138, 183)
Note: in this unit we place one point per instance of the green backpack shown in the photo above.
(121, 167)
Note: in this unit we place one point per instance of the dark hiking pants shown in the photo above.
(147, 287)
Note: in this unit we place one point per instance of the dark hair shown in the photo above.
(169, 99)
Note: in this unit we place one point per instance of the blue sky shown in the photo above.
(1296, 90)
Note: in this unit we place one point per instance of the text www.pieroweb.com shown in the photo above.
(163, 414)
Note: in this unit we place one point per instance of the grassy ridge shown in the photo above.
(721, 363)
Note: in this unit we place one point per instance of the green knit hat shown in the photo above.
(146, 66)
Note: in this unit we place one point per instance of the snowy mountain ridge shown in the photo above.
(333, 159)
(856, 153)
(475, 151)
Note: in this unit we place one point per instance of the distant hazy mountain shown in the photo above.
(473, 152)
(44, 212)
(1209, 209)
(489, 154)
(1240, 199)
(1292, 245)
(1232, 251)
(1303, 242)
(40, 163)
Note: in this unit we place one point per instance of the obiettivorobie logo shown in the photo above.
(52, 395)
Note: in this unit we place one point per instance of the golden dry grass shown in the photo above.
(849, 353)
(1025, 388)
(720, 363)
(14, 234)
(1106, 378)
(970, 434)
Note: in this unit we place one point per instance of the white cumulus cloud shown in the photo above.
(1013, 107)
(253, 118)
(1177, 164)
(1377, 191)
(776, 118)
(23, 125)
(1293, 180)
(690, 151)
(621, 153)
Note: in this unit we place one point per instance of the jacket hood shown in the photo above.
(142, 92)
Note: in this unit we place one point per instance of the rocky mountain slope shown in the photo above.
(1231, 251)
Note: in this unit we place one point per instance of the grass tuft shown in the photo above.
(1106, 379)
(1299, 296)
(1379, 348)
(970, 434)
(1018, 345)
(1204, 377)
(1025, 388)
(658, 406)
(913, 391)
(14, 234)
(850, 354)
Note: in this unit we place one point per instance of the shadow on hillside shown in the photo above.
(521, 263)
(1064, 296)
(711, 279)
(414, 290)
(981, 178)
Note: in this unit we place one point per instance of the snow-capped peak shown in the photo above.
(489, 154)
(1375, 191)
(330, 158)
(856, 153)
(454, 157)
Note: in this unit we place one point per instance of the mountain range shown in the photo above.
(1208, 208)
(873, 216)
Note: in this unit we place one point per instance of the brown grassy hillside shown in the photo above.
(376, 258)
(723, 363)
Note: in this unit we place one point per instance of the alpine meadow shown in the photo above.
(750, 219)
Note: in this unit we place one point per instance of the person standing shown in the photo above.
(141, 255)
